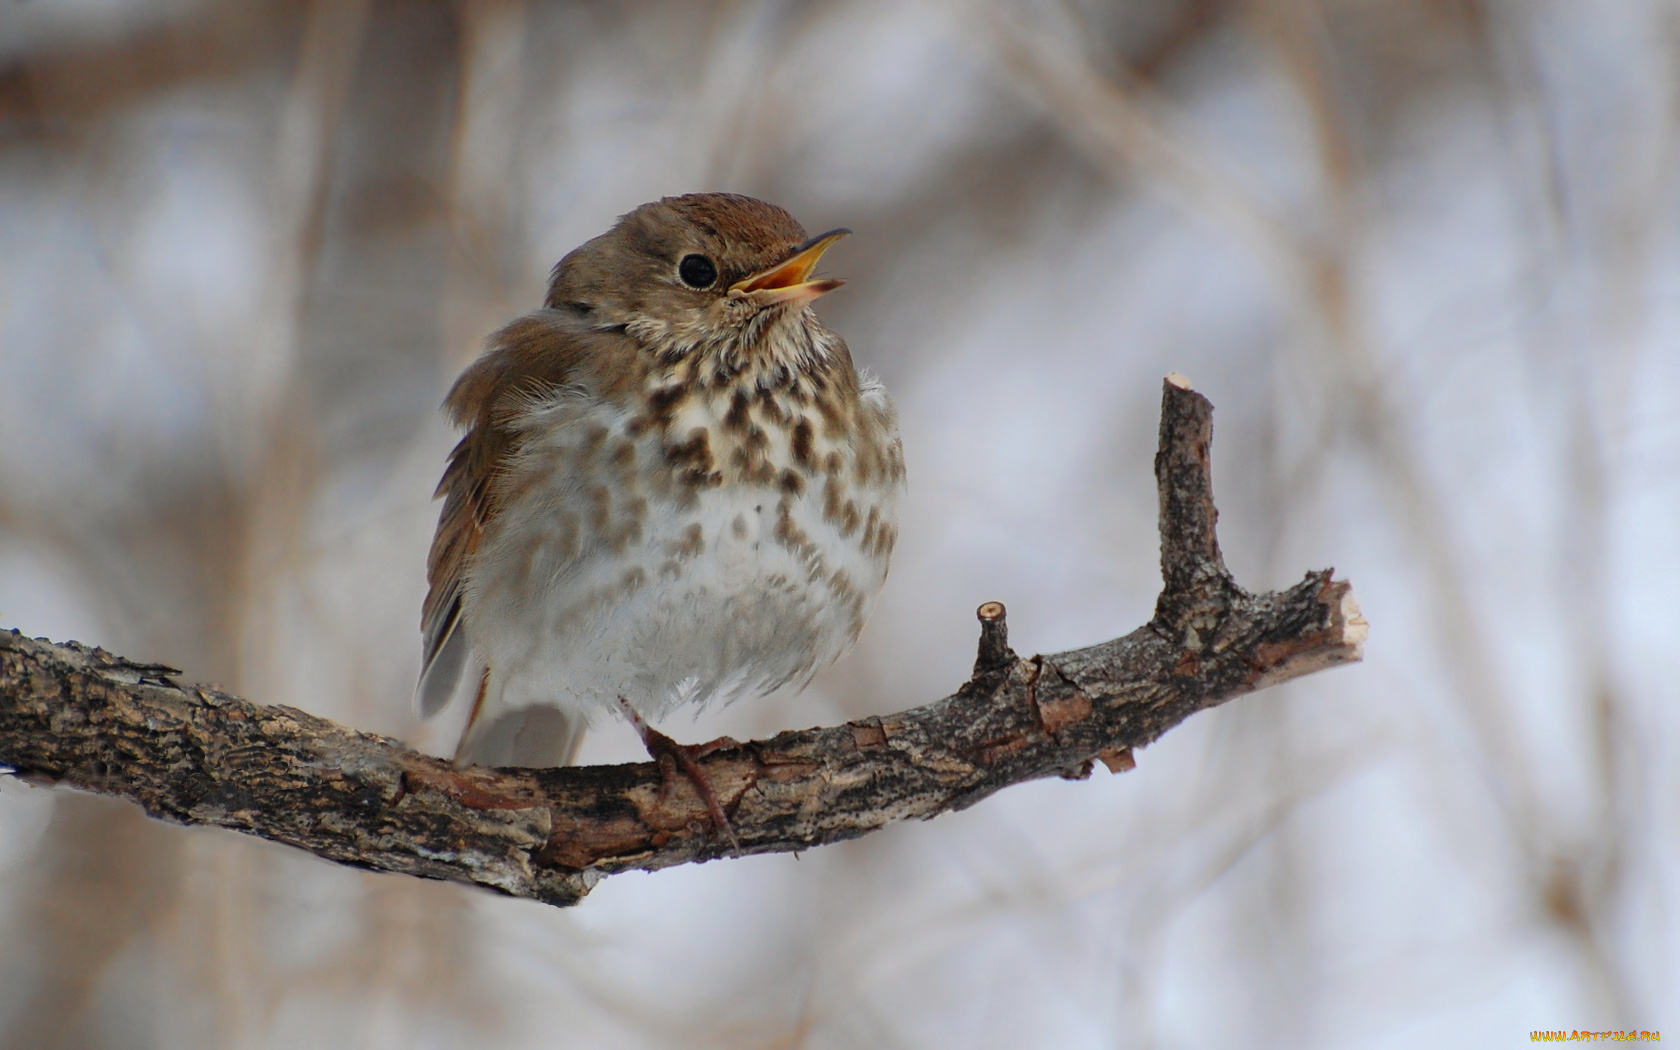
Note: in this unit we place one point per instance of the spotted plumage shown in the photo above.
(665, 493)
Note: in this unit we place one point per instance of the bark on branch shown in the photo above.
(86, 719)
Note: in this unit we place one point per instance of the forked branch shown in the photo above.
(82, 718)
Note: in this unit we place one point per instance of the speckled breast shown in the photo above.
(712, 544)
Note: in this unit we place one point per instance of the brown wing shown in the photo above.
(535, 354)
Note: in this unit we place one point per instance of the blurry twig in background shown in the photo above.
(1571, 872)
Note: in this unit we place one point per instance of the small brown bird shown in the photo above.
(674, 488)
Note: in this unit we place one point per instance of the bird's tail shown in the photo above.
(500, 735)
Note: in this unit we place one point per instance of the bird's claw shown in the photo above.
(670, 755)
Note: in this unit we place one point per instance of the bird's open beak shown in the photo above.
(789, 281)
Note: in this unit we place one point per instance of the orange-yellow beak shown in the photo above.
(789, 280)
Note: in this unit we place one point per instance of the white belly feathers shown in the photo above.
(605, 576)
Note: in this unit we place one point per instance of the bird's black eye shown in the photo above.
(697, 271)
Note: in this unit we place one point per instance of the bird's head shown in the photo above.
(699, 268)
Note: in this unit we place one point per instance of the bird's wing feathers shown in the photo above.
(537, 353)
(466, 511)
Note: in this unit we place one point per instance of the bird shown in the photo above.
(673, 489)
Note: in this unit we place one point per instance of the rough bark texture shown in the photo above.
(83, 718)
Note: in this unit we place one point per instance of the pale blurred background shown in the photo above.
(1423, 255)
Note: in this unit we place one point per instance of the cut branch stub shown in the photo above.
(994, 656)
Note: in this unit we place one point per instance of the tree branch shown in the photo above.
(86, 719)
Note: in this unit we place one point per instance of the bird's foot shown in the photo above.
(671, 755)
